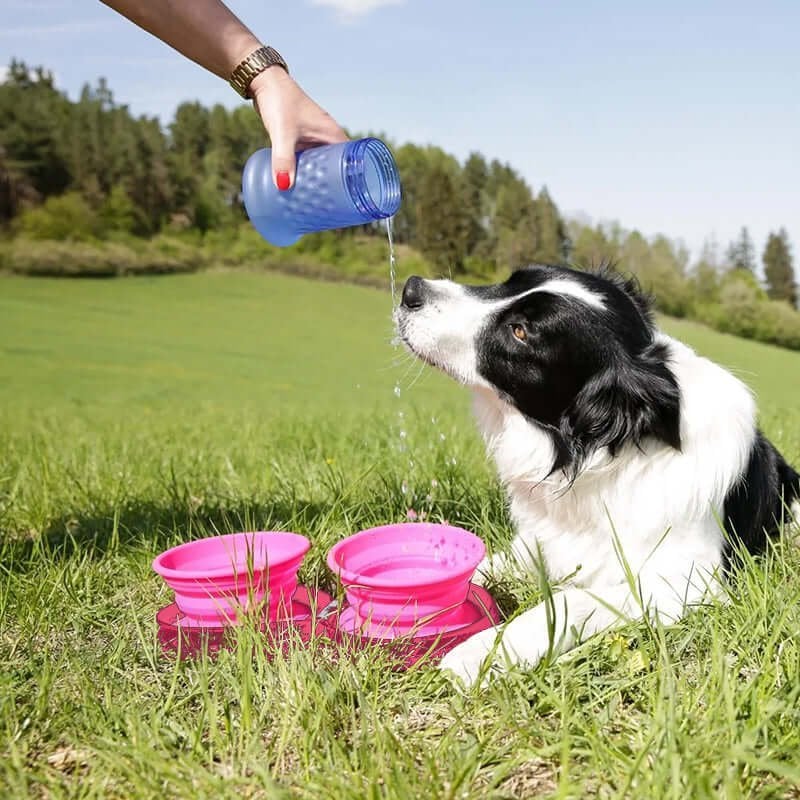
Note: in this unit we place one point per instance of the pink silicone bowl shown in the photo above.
(215, 578)
(407, 575)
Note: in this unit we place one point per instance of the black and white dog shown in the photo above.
(624, 453)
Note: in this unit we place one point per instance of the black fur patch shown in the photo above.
(756, 505)
(591, 377)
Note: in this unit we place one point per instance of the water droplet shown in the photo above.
(397, 390)
(442, 437)
(434, 483)
(403, 434)
(404, 487)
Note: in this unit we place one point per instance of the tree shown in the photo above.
(474, 178)
(741, 253)
(16, 190)
(33, 116)
(189, 141)
(441, 223)
(550, 230)
(592, 246)
(778, 268)
(412, 164)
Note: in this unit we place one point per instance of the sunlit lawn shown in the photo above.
(135, 414)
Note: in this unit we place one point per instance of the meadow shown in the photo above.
(139, 413)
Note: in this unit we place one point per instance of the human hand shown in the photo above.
(292, 119)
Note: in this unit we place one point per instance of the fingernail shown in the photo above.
(283, 181)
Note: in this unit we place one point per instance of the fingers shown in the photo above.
(293, 120)
(283, 160)
(327, 132)
(335, 133)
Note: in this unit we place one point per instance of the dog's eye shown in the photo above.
(519, 332)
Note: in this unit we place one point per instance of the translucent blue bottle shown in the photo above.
(336, 185)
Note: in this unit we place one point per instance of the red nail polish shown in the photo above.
(283, 181)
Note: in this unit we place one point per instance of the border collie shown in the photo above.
(634, 467)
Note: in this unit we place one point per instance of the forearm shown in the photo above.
(205, 31)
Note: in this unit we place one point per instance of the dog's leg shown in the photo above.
(572, 615)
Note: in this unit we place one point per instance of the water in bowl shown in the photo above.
(403, 569)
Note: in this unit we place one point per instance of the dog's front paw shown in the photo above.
(465, 662)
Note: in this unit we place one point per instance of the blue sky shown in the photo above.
(675, 117)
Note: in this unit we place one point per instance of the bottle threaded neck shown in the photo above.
(372, 179)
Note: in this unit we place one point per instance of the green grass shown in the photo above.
(135, 414)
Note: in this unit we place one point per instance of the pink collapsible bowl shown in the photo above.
(218, 578)
(406, 578)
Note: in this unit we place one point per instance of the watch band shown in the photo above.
(255, 64)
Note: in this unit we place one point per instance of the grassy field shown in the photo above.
(135, 414)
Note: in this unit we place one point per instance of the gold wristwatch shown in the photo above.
(253, 65)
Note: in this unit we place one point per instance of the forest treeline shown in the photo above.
(87, 188)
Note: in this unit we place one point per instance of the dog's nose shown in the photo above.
(414, 292)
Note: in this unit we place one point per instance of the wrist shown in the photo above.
(267, 81)
(240, 50)
(262, 60)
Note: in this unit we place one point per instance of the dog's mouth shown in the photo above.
(406, 341)
(401, 325)
(430, 358)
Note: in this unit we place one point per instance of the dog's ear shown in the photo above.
(627, 402)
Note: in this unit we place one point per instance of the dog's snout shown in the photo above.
(414, 292)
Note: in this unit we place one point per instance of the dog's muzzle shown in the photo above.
(414, 293)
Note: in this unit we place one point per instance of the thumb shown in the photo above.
(283, 161)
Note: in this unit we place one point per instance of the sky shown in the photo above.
(678, 117)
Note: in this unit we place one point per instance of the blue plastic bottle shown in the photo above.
(336, 185)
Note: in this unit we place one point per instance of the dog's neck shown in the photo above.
(523, 451)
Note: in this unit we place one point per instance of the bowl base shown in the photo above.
(480, 611)
(308, 619)
(449, 621)
(184, 636)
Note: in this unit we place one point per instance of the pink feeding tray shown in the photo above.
(406, 579)
(190, 639)
(215, 579)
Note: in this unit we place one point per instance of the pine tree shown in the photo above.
(441, 223)
(550, 230)
(474, 178)
(412, 164)
(741, 253)
(778, 268)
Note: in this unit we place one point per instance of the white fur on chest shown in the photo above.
(660, 506)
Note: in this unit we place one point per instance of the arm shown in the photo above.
(208, 33)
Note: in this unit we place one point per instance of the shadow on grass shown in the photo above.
(153, 527)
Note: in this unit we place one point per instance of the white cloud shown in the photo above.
(350, 9)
